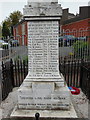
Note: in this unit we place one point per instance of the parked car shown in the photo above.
(60, 41)
(4, 44)
(66, 40)
(14, 43)
(84, 38)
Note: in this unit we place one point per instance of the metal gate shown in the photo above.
(74, 44)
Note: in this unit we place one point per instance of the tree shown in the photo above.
(15, 17)
(5, 30)
(9, 22)
(0, 31)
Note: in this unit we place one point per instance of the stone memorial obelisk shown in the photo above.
(44, 87)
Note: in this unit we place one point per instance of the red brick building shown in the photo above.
(73, 25)
(79, 25)
(20, 32)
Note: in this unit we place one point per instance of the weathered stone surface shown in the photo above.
(48, 114)
(29, 1)
(44, 95)
(44, 86)
(43, 49)
(42, 8)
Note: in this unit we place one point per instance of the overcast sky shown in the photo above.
(8, 6)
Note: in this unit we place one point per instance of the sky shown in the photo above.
(8, 6)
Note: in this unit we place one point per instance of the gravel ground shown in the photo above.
(8, 104)
(80, 103)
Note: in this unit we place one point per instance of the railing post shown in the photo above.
(11, 71)
(81, 73)
(18, 69)
(24, 69)
(37, 115)
(89, 85)
(68, 72)
(2, 82)
(16, 78)
(64, 69)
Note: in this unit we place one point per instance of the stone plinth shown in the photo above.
(46, 114)
(43, 95)
(43, 8)
(44, 87)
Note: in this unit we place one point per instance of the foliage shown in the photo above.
(8, 23)
(17, 58)
(5, 30)
(15, 17)
(81, 49)
(4, 46)
(71, 54)
(0, 31)
(25, 58)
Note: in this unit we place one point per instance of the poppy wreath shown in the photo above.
(74, 90)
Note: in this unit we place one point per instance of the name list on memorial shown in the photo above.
(43, 49)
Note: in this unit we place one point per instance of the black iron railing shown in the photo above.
(76, 74)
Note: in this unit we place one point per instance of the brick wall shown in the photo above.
(78, 28)
(18, 35)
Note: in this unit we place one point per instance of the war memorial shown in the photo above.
(44, 89)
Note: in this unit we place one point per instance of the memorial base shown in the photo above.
(45, 113)
(44, 94)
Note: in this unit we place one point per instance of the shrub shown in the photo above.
(5, 46)
(25, 58)
(81, 49)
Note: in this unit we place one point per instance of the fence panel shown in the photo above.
(71, 71)
(13, 74)
(75, 72)
(20, 70)
(6, 79)
(74, 44)
(85, 80)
